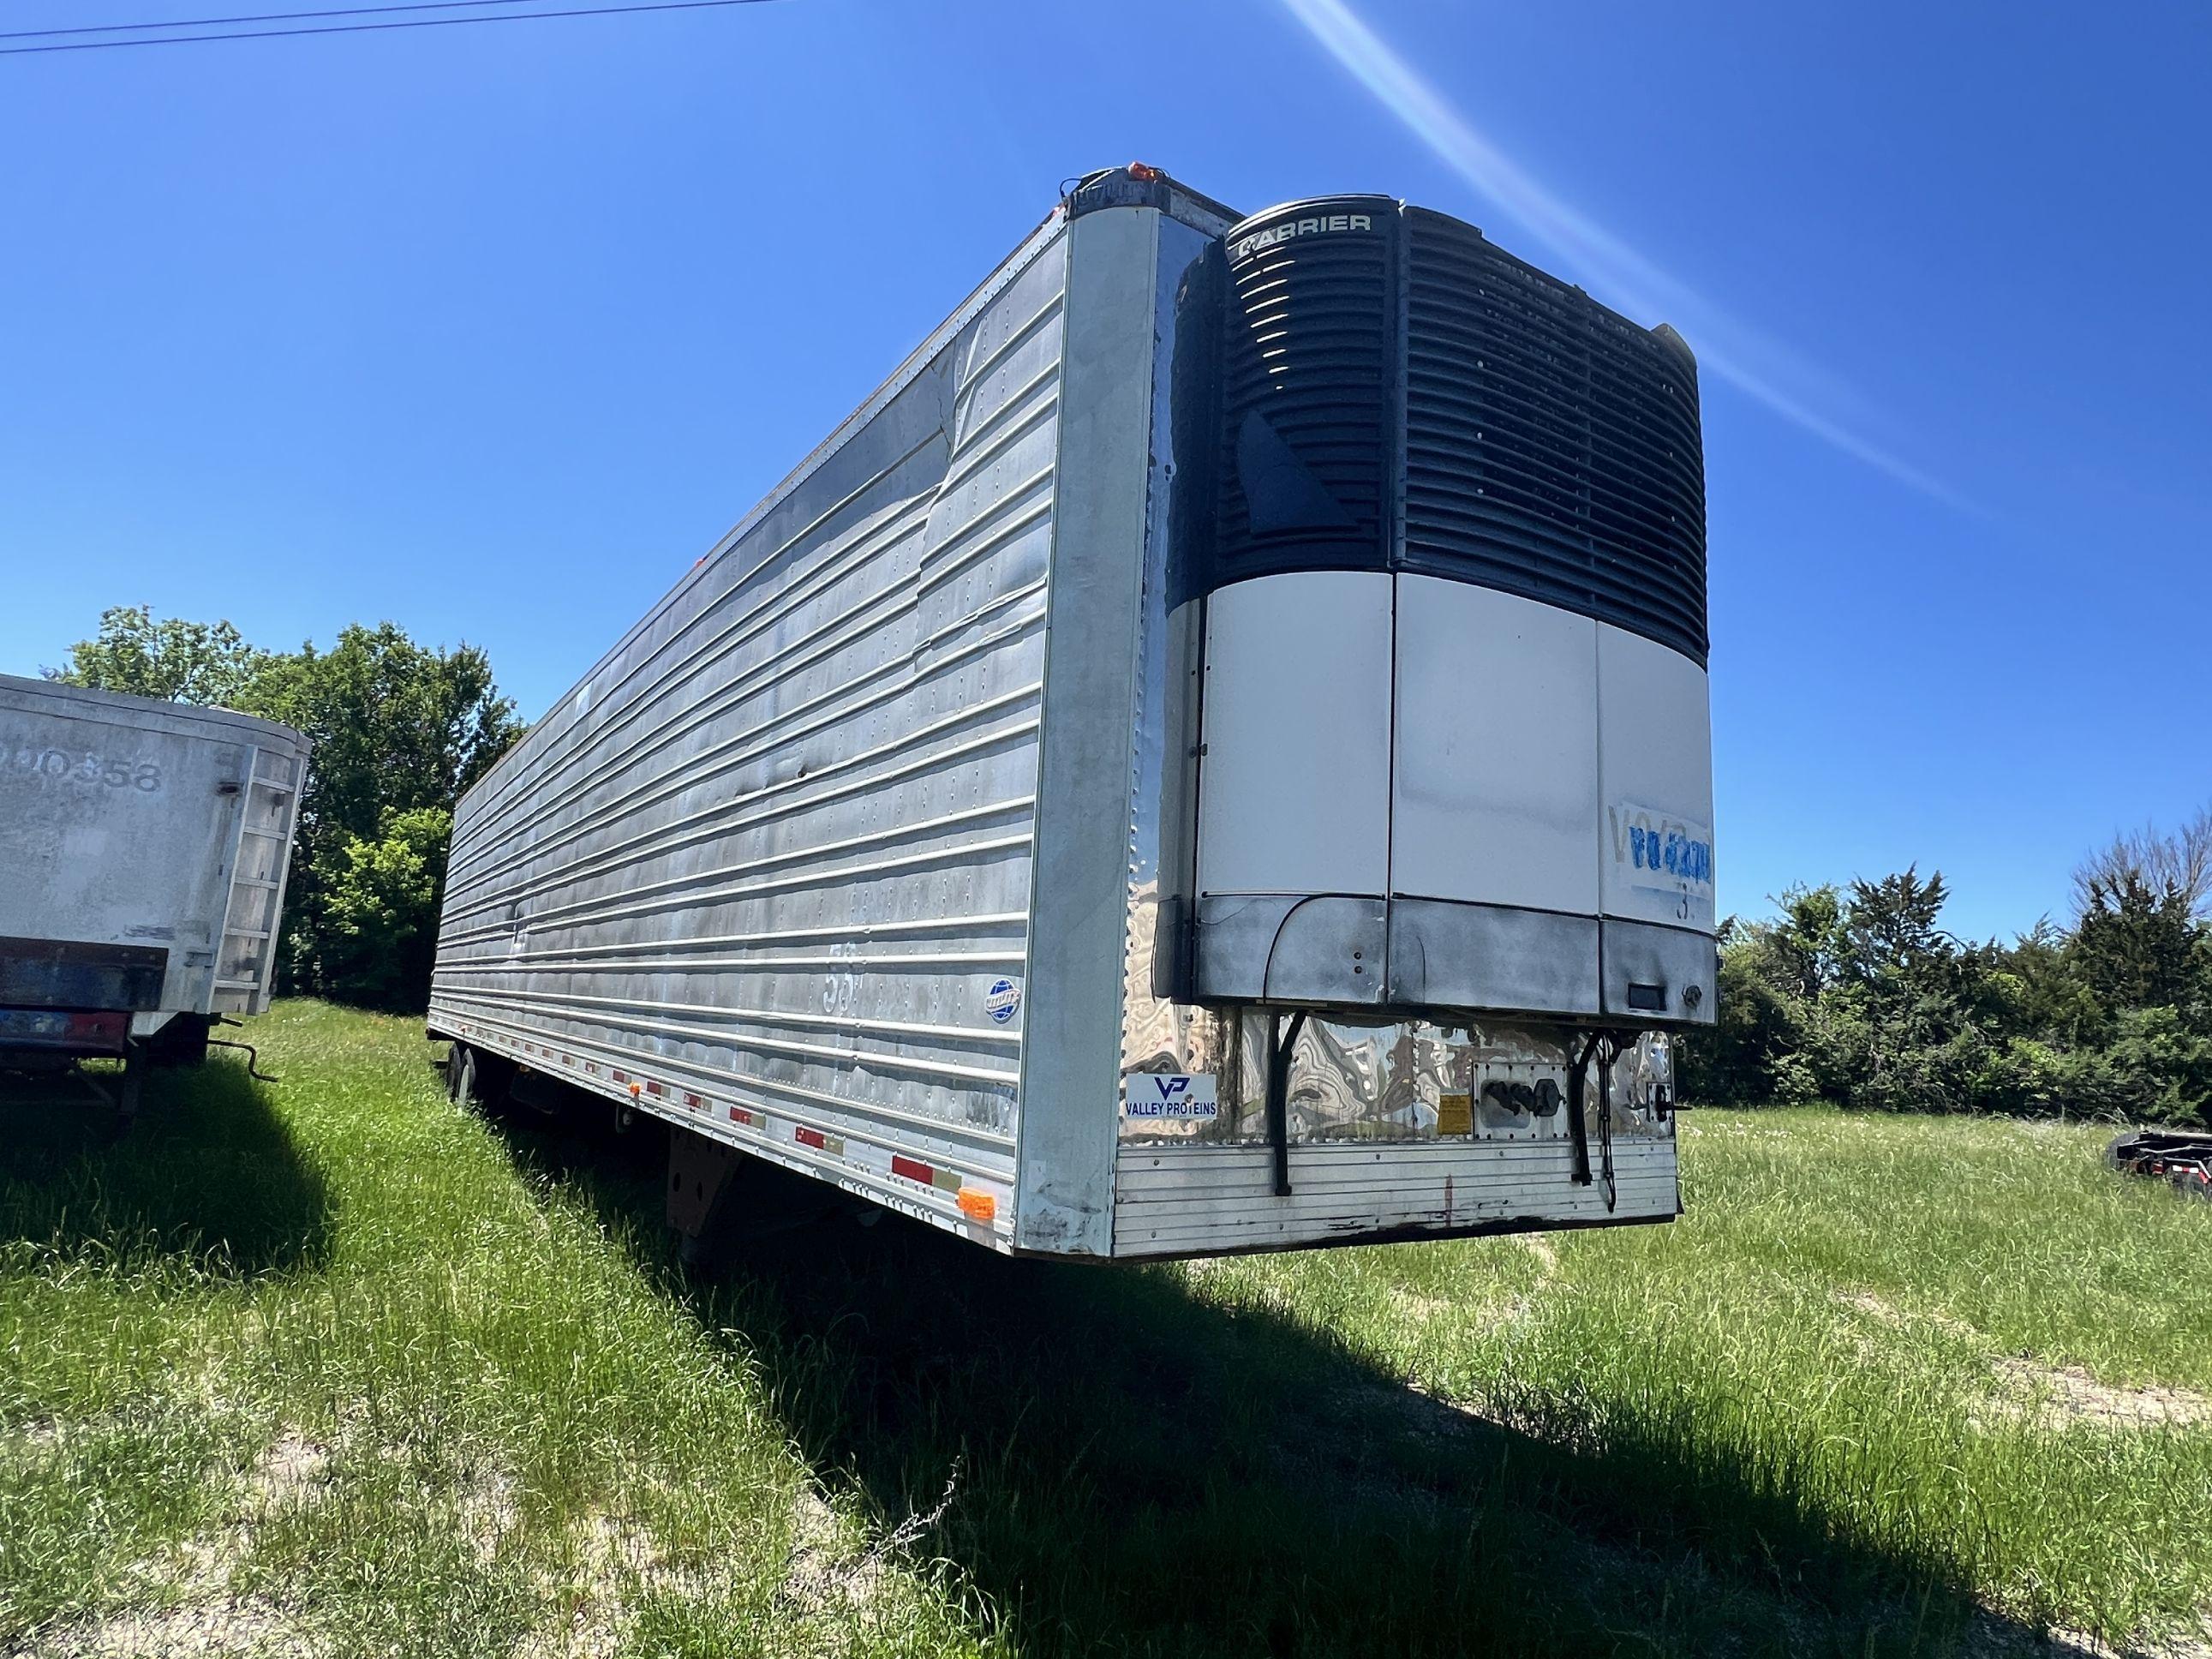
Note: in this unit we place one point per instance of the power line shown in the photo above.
(265, 17)
(363, 28)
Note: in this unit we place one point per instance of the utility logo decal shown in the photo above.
(1184, 1094)
(1003, 1001)
(1658, 854)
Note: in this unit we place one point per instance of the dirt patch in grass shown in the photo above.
(33, 1438)
(191, 1630)
(2066, 1397)
(187, 1606)
(824, 1569)
(1990, 1638)
(2026, 1389)
(293, 1471)
(1887, 1313)
(617, 1557)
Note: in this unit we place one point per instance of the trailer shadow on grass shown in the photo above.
(207, 1175)
(1136, 1469)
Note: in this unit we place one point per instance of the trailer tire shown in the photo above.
(461, 1076)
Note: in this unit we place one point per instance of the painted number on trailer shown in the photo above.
(27, 760)
(1189, 1094)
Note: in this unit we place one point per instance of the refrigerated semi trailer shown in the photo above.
(1212, 754)
(143, 851)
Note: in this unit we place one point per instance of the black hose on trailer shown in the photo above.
(1606, 1054)
(1577, 1121)
(1279, 1044)
(252, 1055)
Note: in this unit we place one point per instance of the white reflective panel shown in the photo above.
(1656, 772)
(1496, 797)
(1294, 790)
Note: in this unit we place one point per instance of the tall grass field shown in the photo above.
(331, 1366)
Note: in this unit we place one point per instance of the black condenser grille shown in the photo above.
(1307, 393)
(1552, 447)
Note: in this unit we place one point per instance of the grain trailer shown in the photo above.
(1211, 756)
(143, 850)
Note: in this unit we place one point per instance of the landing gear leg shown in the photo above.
(699, 1178)
(132, 1087)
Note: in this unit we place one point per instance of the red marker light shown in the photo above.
(1143, 174)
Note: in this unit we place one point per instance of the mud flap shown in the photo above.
(699, 1172)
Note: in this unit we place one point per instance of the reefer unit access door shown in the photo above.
(1456, 749)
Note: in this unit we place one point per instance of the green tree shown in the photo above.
(380, 909)
(2179, 862)
(181, 661)
(2136, 945)
(1863, 998)
(399, 729)
(1767, 1041)
(2140, 963)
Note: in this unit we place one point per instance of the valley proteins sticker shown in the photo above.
(1184, 1094)
(1003, 1001)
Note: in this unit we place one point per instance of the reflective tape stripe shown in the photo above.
(979, 1204)
(914, 1169)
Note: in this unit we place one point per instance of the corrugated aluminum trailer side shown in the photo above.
(768, 869)
(143, 852)
(871, 850)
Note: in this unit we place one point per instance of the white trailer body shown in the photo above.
(1104, 805)
(143, 851)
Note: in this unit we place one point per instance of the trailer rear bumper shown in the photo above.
(1220, 1200)
(43, 1036)
(72, 974)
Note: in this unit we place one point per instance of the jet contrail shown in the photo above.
(1739, 355)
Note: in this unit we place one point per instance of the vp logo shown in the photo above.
(1170, 1094)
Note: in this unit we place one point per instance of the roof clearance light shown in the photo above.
(1143, 174)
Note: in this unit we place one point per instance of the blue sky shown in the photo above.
(493, 330)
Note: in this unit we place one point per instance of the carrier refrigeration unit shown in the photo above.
(1211, 756)
(144, 848)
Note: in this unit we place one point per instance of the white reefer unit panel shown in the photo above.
(1494, 784)
(1140, 788)
(1655, 743)
(1297, 727)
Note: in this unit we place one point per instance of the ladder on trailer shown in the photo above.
(259, 864)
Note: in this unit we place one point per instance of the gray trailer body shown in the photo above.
(864, 852)
(143, 851)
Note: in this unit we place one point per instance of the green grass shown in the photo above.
(331, 1365)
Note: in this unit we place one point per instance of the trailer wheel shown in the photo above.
(461, 1076)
